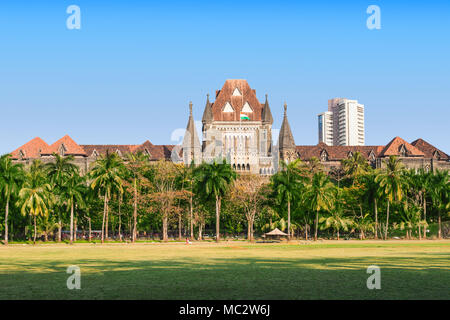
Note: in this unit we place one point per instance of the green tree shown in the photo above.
(58, 170)
(11, 179)
(213, 181)
(107, 177)
(73, 190)
(392, 183)
(319, 196)
(136, 162)
(35, 196)
(355, 166)
(440, 194)
(287, 185)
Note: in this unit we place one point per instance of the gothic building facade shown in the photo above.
(238, 128)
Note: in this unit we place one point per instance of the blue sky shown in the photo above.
(129, 73)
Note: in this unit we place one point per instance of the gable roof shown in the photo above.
(237, 102)
(336, 153)
(32, 149)
(429, 150)
(71, 147)
(394, 146)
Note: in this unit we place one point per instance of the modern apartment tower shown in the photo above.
(326, 127)
(346, 118)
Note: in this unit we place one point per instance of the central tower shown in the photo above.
(237, 127)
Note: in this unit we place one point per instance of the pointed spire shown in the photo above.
(266, 115)
(207, 114)
(286, 139)
(190, 139)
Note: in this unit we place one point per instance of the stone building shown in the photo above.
(238, 128)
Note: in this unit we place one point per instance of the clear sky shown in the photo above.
(129, 73)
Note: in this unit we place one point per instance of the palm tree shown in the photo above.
(355, 166)
(11, 178)
(135, 163)
(392, 183)
(440, 193)
(58, 171)
(213, 180)
(73, 190)
(371, 194)
(287, 184)
(336, 220)
(35, 196)
(107, 177)
(319, 195)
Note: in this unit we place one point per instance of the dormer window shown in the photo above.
(236, 93)
(119, 153)
(436, 155)
(246, 108)
(402, 150)
(324, 155)
(95, 153)
(62, 150)
(350, 154)
(372, 156)
(147, 153)
(21, 154)
(228, 108)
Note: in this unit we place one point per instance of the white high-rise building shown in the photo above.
(326, 127)
(346, 117)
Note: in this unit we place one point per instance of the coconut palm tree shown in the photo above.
(35, 196)
(355, 166)
(213, 181)
(107, 177)
(58, 170)
(11, 179)
(372, 194)
(319, 195)
(392, 183)
(135, 164)
(287, 185)
(73, 190)
(440, 194)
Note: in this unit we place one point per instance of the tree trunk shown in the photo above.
(75, 228)
(420, 233)
(192, 218)
(439, 223)
(71, 224)
(317, 225)
(289, 220)
(135, 212)
(306, 232)
(59, 230)
(104, 216)
(376, 219)
(179, 227)
(90, 231)
(338, 234)
(120, 220)
(424, 216)
(200, 230)
(249, 237)
(165, 235)
(107, 222)
(35, 230)
(218, 218)
(387, 222)
(6, 220)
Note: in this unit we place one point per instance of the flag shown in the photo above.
(244, 117)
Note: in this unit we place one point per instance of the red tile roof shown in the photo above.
(70, 146)
(336, 153)
(30, 150)
(237, 102)
(394, 147)
(429, 150)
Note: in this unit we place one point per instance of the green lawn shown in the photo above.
(328, 270)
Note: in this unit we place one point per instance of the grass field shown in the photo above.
(328, 270)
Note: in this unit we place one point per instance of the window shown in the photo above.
(228, 108)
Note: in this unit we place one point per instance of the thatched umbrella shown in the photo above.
(277, 233)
